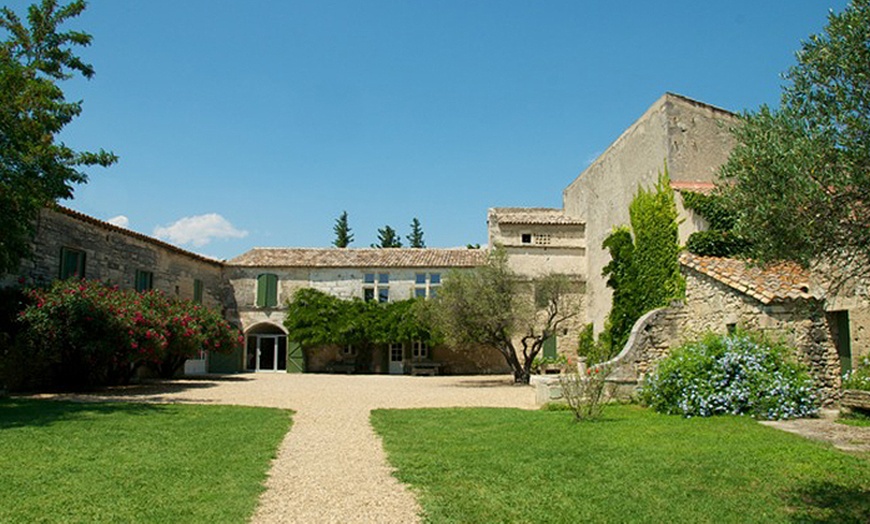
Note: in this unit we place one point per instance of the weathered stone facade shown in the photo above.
(692, 137)
(114, 255)
(712, 305)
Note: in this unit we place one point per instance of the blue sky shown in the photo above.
(256, 123)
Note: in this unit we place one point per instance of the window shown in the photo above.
(267, 290)
(526, 238)
(348, 351)
(426, 284)
(197, 291)
(376, 285)
(144, 280)
(419, 350)
(72, 263)
(542, 239)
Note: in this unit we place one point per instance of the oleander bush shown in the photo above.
(858, 378)
(734, 374)
(81, 334)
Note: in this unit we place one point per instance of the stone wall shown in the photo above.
(694, 140)
(711, 306)
(113, 255)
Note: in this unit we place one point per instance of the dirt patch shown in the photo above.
(825, 428)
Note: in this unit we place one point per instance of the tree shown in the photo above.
(343, 235)
(35, 169)
(490, 306)
(387, 237)
(799, 176)
(415, 239)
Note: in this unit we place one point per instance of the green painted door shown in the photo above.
(295, 358)
(550, 347)
(844, 340)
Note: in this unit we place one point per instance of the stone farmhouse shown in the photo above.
(690, 137)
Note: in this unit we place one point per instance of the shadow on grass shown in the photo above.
(829, 503)
(21, 412)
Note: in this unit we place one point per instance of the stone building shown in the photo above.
(691, 137)
(725, 294)
(264, 279)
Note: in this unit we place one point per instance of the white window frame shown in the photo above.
(427, 288)
(420, 350)
(380, 283)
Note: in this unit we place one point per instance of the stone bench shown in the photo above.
(855, 399)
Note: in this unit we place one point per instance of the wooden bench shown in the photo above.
(425, 368)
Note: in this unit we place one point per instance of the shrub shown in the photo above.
(84, 334)
(734, 374)
(858, 378)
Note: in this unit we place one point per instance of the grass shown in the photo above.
(87, 462)
(502, 465)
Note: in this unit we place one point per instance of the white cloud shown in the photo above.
(199, 230)
(120, 221)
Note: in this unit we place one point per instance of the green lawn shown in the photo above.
(77, 462)
(503, 465)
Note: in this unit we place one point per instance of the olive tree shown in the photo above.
(491, 306)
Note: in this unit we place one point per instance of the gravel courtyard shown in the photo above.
(331, 467)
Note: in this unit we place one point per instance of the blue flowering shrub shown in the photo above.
(733, 374)
(858, 378)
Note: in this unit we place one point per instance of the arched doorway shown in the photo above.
(266, 348)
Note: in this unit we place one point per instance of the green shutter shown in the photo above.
(267, 290)
(72, 263)
(272, 294)
(550, 347)
(197, 291)
(262, 286)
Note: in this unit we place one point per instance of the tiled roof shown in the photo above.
(350, 257)
(774, 283)
(532, 216)
(130, 233)
(695, 187)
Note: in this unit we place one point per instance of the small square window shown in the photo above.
(369, 278)
(420, 292)
(420, 278)
(527, 238)
(435, 279)
(383, 278)
(384, 295)
(144, 280)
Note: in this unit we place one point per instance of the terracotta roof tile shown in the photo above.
(696, 187)
(532, 216)
(774, 283)
(350, 257)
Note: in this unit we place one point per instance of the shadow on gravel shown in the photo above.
(485, 383)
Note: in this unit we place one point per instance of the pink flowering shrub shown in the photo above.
(83, 334)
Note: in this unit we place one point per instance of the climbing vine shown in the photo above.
(720, 240)
(316, 319)
(644, 271)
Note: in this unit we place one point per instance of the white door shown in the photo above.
(397, 358)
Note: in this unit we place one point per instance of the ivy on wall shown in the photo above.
(644, 270)
(720, 240)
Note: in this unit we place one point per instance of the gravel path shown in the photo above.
(331, 466)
